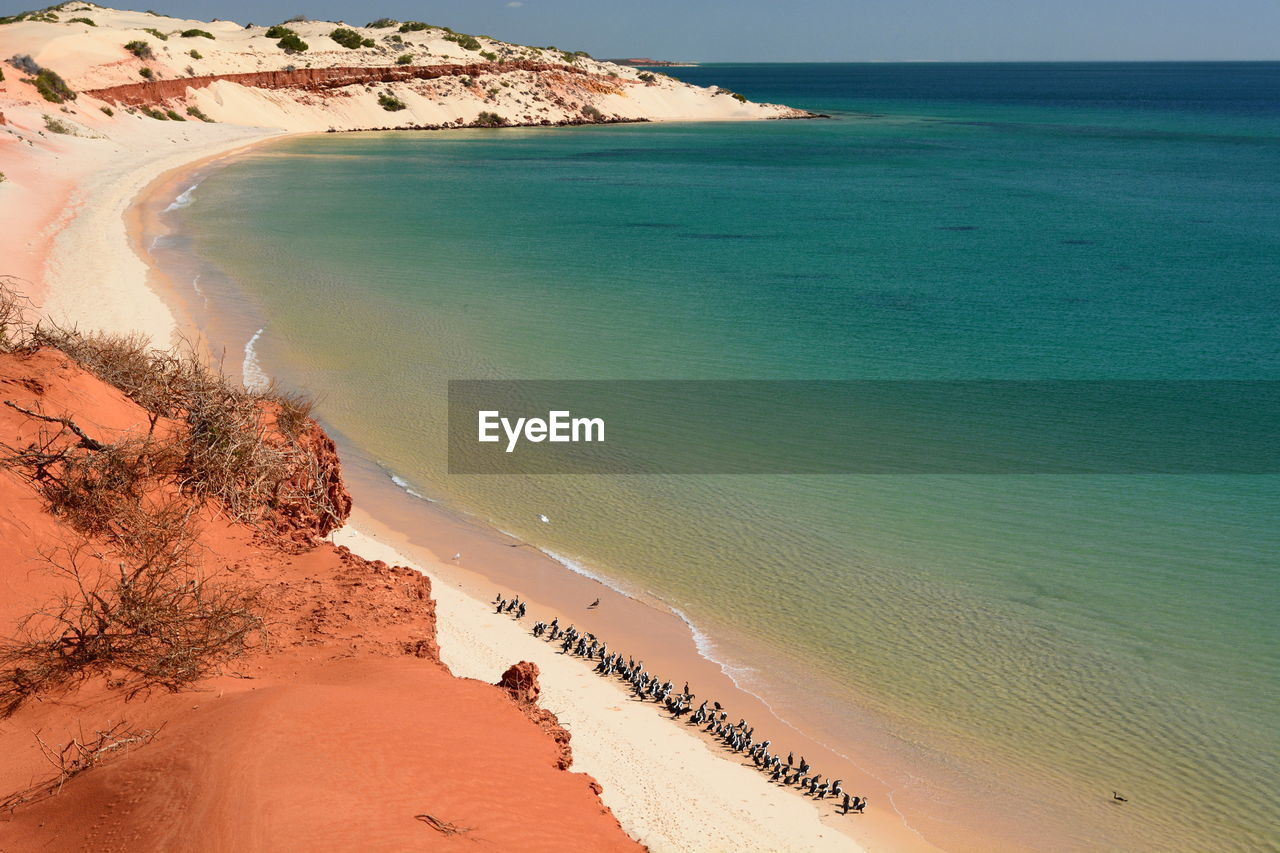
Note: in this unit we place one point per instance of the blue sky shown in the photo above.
(816, 30)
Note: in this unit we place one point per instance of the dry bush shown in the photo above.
(229, 452)
(75, 757)
(135, 604)
(139, 612)
(13, 311)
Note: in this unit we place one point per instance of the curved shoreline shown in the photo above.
(552, 588)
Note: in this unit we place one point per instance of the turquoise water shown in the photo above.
(1046, 639)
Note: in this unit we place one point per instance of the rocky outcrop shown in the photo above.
(322, 79)
(521, 683)
(314, 501)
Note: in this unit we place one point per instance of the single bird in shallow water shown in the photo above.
(1119, 799)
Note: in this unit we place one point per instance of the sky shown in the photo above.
(813, 30)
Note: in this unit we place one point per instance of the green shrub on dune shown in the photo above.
(382, 23)
(82, 21)
(404, 59)
(140, 49)
(390, 102)
(350, 39)
(156, 33)
(292, 43)
(463, 41)
(487, 119)
(52, 87)
(413, 27)
(190, 34)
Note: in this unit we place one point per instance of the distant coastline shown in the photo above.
(654, 63)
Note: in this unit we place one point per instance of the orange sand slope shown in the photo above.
(344, 733)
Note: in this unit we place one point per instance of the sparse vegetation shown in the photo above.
(24, 63)
(146, 73)
(739, 98)
(646, 77)
(54, 125)
(488, 57)
(414, 27)
(135, 604)
(195, 54)
(390, 102)
(292, 43)
(279, 31)
(592, 113)
(173, 115)
(196, 112)
(297, 19)
(487, 119)
(190, 34)
(350, 39)
(52, 87)
(140, 49)
(155, 33)
(2, 178)
(88, 21)
(465, 42)
(404, 59)
(152, 112)
(382, 23)
(108, 110)
(76, 757)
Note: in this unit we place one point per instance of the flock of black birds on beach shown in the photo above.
(710, 716)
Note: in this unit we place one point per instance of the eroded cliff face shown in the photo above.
(337, 729)
(321, 79)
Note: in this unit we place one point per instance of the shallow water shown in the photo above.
(1042, 639)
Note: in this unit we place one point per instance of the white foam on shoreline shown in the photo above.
(254, 377)
(404, 484)
(579, 569)
(702, 641)
(195, 285)
(184, 199)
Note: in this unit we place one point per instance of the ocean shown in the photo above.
(1041, 640)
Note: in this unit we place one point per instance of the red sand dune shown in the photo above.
(347, 733)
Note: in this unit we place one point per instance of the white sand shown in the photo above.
(665, 786)
(92, 272)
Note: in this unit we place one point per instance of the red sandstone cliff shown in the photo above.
(341, 730)
(319, 79)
